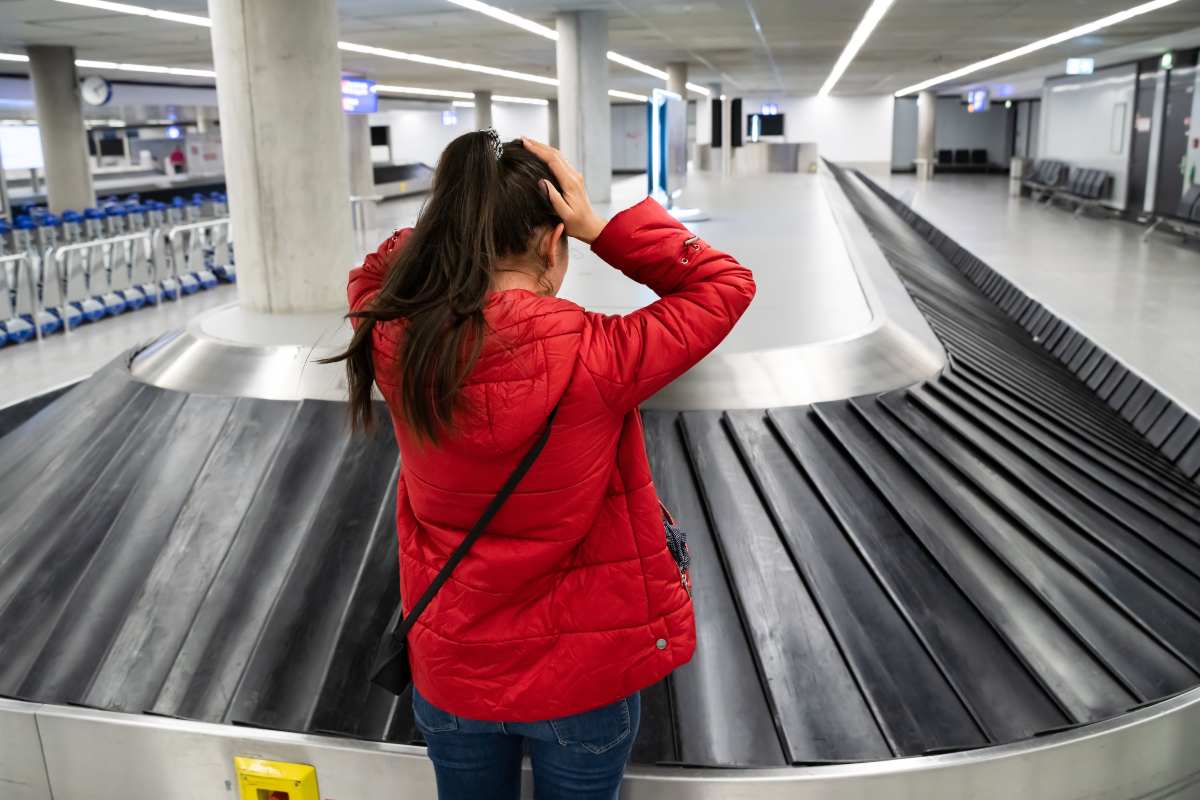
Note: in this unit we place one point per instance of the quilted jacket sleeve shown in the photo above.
(365, 280)
(703, 293)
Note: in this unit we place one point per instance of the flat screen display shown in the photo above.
(379, 135)
(768, 125)
(977, 100)
(112, 147)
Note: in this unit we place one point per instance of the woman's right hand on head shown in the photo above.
(572, 204)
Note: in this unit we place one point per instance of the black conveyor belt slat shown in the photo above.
(107, 589)
(1145, 669)
(998, 687)
(916, 708)
(148, 639)
(285, 675)
(1095, 454)
(721, 710)
(1081, 686)
(58, 547)
(349, 703)
(817, 705)
(208, 669)
(15, 415)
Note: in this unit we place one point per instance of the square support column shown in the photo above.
(584, 117)
(284, 140)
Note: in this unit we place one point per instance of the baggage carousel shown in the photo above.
(966, 566)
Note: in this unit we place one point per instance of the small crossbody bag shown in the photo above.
(392, 669)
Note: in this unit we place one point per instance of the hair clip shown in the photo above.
(494, 137)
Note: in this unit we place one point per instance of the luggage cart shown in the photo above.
(35, 237)
(13, 329)
(186, 246)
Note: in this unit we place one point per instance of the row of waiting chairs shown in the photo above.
(60, 271)
(1056, 181)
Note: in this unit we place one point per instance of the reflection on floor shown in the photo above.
(1138, 300)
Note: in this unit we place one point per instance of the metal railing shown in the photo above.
(52, 285)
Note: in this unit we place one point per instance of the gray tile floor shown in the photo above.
(1139, 300)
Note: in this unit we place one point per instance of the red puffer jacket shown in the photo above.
(571, 599)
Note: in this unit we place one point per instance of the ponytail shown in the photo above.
(485, 204)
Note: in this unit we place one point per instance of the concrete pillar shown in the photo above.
(59, 112)
(677, 75)
(362, 171)
(552, 115)
(584, 121)
(202, 121)
(926, 120)
(279, 96)
(483, 110)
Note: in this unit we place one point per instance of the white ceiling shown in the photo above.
(800, 38)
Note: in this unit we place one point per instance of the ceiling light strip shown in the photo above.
(387, 88)
(641, 98)
(626, 61)
(142, 11)
(351, 47)
(508, 17)
(399, 55)
(527, 101)
(415, 91)
(698, 89)
(552, 34)
(1040, 44)
(866, 27)
(186, 72)
(13, 57)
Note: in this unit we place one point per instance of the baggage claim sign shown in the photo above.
(358, 96)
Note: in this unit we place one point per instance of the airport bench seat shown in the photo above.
(1085, 188)
(1047, 175)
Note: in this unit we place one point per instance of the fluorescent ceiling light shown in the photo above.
(550, 33)
(625, 61)
(112, 65)
(641, 98)
(399, 55)
(698, 89)
(13, 57)
(1040, 44)
(141, 11)
(413, 90)
(509, 17)
(527, 101)
(463, 104)
(865, 28)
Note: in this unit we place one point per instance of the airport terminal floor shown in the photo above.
(940, 483)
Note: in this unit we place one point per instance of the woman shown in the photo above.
(570, 603)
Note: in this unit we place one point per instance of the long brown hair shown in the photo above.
(486, 203)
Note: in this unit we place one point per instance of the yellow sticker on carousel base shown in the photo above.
(259, 779)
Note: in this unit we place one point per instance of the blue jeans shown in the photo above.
(581, 757)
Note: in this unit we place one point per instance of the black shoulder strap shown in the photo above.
(477, 530)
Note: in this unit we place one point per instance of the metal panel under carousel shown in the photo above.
(982, 582)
